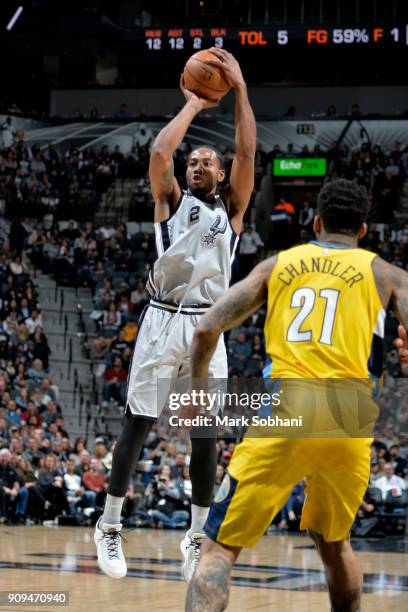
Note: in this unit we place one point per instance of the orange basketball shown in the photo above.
(20, 134)
(203, 79)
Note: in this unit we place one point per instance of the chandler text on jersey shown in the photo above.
(322, 265)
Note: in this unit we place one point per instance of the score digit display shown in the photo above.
(194, 39)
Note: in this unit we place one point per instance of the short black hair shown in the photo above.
(218, 153)
(343, 206)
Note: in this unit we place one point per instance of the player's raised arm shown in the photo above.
(236, 305)
(165, 188)
(243, 170)
(392, 285)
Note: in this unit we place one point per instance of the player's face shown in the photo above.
(203, 172)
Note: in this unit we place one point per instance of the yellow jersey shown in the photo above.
(323, 313)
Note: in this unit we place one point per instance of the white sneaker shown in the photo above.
(111, 559)
(190, 548)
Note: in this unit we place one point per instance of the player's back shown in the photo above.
(324, 318)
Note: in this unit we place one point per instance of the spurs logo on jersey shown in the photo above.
(186, 271)
(215, 229)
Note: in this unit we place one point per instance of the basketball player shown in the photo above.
(325, 301)
(196, 237)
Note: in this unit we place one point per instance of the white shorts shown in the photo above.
(161, 357)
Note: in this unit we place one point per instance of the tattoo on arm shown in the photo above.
(392, 286)
(236, 305)
(399, 299)
(242, 300)
(208, 589)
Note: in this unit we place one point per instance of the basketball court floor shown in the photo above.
(282, 573)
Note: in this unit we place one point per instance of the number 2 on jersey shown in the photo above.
(305, 299)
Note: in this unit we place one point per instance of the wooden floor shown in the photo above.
(281, 574)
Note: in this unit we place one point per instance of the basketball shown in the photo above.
(203, 79)
(20, 134)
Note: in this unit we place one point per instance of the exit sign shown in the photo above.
(299, 166)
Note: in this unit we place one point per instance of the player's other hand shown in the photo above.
(229, 66)
(401, 344)
(200, 103)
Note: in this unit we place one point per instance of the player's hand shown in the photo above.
(226, 62)
(189, 412)
(401, 344)
(200, 103)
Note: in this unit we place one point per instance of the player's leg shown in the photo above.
(107, 536)
(255, 480)
(203, 465)
(145, 399)
(343, 572)
(125, 457)
(209, 587)
(334, 493)
(203, 462)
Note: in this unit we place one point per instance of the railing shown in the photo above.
(61, 306)
(65, 331)
(74, 396)
(112, 211)
(69, 358)
(110, 201)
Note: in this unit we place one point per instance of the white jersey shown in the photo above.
(195, 250)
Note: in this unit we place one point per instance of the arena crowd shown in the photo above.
(43, 473)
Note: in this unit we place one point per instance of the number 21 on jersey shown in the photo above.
(305, 298)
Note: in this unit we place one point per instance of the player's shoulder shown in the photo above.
(386, 272)
(296, 251)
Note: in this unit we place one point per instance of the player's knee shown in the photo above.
(329, 551)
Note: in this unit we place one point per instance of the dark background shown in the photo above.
(59, 43)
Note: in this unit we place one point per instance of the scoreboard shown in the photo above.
(194, 39)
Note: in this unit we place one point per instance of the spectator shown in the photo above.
(390, 483)
(139, 297)
(13, 415)
(179, 465)
(399, 464)
(306, 217)
(239, 351)
(50, 484)
(31, 505)
(79, 446)
(249, 250)
(143, 136)
(34, 321)
(167, 510)
(76, 494)
(331, 111)
(51, 412)
(84, 462)
(219, 477)
(7, 133)
(123, 112)
(94, 481)
(36, 372)
(9, 486)
(355, 110)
